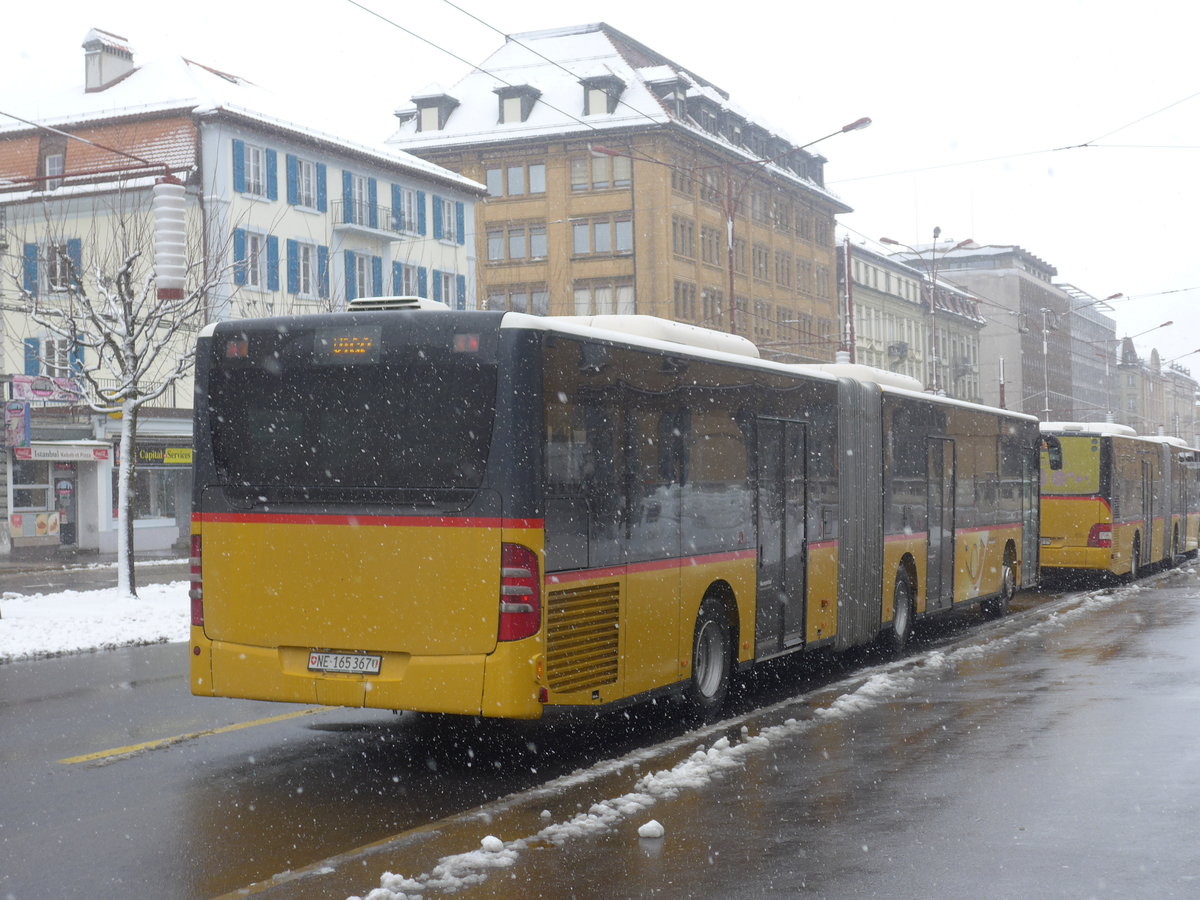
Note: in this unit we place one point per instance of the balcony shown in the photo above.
(371, 221)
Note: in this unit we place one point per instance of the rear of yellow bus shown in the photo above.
(1076, 516)
(354, 540)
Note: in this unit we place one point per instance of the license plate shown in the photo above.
(350, 663)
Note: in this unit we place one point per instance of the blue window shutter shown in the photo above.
(460, 218)
(437, 217)
(461, 285)
(239, 256)
(397, 279)
(293, 179)
(377, 275)
(350, 280)
(423, 282)
(347, 197)
(437, 283)
(76, 358)
(421, 213)
(30, 282)
(272, 263)
(239, 166)
(32, 351)
(293, 267)
(75, 255)
(322, 193)
(372, 203)
(272, 175)
(323, 272)
(397, 209)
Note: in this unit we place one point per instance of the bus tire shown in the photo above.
(997, 607)
(712, 661)
(904, 596)
(1135, 561)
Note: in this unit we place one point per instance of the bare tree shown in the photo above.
(133, 336)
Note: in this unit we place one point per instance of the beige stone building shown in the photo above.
(621, 182)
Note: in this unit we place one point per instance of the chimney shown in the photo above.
(107, 59)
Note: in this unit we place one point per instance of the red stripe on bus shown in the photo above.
(367, 521)
(651, 566)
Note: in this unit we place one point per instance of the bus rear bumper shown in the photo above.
(1096, 559)
(434, 684)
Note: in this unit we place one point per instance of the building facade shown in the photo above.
(905, 324)
(278, 219)
(621, 182)
(1024, 356)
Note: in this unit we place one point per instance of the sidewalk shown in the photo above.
(58, 559)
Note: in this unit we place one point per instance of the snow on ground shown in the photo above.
(75, 621)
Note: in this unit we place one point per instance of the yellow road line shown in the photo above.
(168, 741)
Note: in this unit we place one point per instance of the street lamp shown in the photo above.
(934, 261)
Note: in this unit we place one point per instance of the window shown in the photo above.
(596, 102)
(711, 187)
(450, 288)
(306, 183)
(761, 260)
(681, 180)
(407, 210)
(449, 220)
(520, 298)
(602, 236)
(406, 280)
(711, 300)
(362, 275)
(54, 170)
(710, 245)
(516, 102)
(604, 298)
(59, 276)
(256, 260)
(739, 256)
(516, 242)
(31, 484)
(683, 237)
(783, 268)
(600, 172)
(517, 180)
(430, 119)
(306, 265)
(254, 170)
(360, 196)
(685, 301)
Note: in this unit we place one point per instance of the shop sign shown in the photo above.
(45, 388)
(62, 452)
(16, 423)
(159, 456)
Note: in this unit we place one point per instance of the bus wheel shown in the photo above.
(997, 607)
(1135, 563)
(903, 597)
(711, 660)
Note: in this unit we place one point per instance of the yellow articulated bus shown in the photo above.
(1114, 502)
(484, 513)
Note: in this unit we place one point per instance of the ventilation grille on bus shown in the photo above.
(581, 637)
(365, 303)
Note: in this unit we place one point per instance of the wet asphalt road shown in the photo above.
(1052, 754)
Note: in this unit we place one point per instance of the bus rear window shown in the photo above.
(420, 425)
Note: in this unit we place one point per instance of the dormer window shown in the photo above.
(516, 102)
(601, 94)
(433, 111)
(54, 170)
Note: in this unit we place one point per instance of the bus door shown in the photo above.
(939, 566)
(782, 499)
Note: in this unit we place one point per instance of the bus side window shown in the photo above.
(1052, 447)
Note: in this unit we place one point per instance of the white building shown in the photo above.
(280, 219)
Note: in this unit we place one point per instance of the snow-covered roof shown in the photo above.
(175, 84)
(557, 61)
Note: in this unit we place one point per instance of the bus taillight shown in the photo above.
(197, 591)
(520, 593)
(1100, 535)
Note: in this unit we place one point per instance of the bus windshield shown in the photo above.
(314, 431)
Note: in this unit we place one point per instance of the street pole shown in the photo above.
(1046, 360)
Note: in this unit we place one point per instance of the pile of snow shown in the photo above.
(37, 625)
